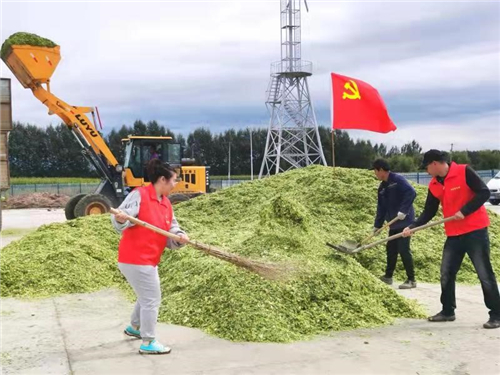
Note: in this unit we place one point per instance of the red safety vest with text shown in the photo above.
(454, 194)
(140, 245)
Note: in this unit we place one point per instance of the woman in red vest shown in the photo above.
(462, 194)
(140, 250)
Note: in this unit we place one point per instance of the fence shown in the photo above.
(222, 184)
(66, 189)
(424, 178)
(73, 189)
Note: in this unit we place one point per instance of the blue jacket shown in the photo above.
(395, 195)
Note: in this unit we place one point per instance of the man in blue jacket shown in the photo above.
(395, 199)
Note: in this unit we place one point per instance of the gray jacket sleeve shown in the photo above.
(175, 229)
(130, 206)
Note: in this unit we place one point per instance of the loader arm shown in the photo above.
(75, 118)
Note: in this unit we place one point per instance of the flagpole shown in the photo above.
(331, 122)
(333, 148)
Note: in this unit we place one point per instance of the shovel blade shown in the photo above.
(344, 249)
(350, 245)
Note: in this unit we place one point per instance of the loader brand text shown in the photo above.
(91, 131)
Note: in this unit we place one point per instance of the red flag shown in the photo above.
(357, 105)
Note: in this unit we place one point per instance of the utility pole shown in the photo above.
(251, 155)
(229, 164)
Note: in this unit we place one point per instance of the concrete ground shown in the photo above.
(16, 223)
(82, 334)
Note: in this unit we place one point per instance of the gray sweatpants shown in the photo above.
(146, 284)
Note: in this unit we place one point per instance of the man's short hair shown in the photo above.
(434, 155)
(381, 164)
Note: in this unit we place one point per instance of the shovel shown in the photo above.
(349, 245)
(373, 244)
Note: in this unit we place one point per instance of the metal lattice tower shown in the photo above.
(293, 138)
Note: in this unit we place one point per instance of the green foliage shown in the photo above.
(22, 38)
(49, 152)
(77, 256)
(460, 157)
(402, 163)
(286, 219)
(54, 151)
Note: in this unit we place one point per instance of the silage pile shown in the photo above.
(22, 38)
(286, 218)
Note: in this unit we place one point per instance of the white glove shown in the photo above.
(401, 216)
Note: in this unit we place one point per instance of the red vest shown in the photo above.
(140, 245)
(453, 196)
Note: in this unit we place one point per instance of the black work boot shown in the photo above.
(492, 323)
(408, 284)
(387, 280)
(440, 317)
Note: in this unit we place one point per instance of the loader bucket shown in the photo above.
(32, 64)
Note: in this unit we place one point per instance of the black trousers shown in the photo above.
(477, 246)
(399, 246)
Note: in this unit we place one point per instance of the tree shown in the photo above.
(489, 159)
(402, 163)
(65, 158)
(380, 150)
(394, 150)
(54, 151)
(411, 149)
(115, 143)
(460, 157)
(140, 128)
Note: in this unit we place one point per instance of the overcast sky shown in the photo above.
(206, 63)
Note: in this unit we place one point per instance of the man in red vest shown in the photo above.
(462, 194)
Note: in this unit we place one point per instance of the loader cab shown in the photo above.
(193, 180)
(140, 150)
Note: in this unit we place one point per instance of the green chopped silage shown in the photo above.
(76, 256)
(285, 218)
(22, 38)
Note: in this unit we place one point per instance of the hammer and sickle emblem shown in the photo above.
(353, 89)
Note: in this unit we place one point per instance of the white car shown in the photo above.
(494, 186)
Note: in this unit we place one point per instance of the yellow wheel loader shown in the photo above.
(33, 60)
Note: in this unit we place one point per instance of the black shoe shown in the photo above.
(492, 323)
(408, 284)
(440, 317)
(387, 280)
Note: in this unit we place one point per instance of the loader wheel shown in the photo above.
(69, 209)
(178, 198)
(92, 204)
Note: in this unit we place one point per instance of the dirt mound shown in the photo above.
(36, 200)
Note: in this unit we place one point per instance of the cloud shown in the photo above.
(207, 62)
(441, 134)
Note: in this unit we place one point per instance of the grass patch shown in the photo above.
(52, 180)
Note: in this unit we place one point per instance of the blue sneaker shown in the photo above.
(154, 347)
(129, 331)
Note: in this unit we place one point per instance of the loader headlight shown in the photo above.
(119, 168)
